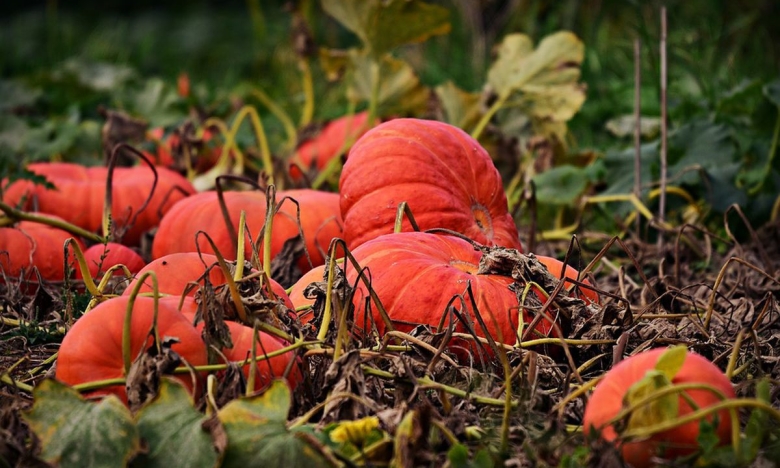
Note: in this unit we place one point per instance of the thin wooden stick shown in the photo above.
(662, 196)
(637, 127)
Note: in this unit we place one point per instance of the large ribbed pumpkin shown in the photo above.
(92, 348)
(446, 177)
(29, 245)
(416, 274)
(320, 222)
(175, 272)
(80, 192)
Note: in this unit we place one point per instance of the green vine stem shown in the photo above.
(270, 212)
(335, 163)
(19, 215)
(250, 385)
(376, 82)
(89, 283)
(308, 91)
(239, 273)
(127, 326)
(279, 113)
(426, 382)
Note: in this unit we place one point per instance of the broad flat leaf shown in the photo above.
(12, 132)
(772, 92)
(400, 91)
(671, 361)
(174, 431)
(155, 102)
(554, 64)
(75, 432)
(258, 436)
(625, 125)
(52, 138)
(458, 457)
(657, 410)
(461, 108)
(99, 76)
(557, 103)
(383, 25)
(560, 185)
(16, 95)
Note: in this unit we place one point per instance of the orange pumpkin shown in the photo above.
(29, 245)
(92, 348)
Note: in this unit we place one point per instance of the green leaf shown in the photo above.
(156, 103)
(258, 435)
(560, 185)
(400, 91)
(16, 95)
(625, 125)
(75, 432)
(772, 92)
(671, 361)
(383, 25)
(657, 410)
(553, 66)
(461, 108)
(458, 457)
(174, 431)
(755, 429)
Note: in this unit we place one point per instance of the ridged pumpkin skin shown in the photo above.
(320, 222)
(446, 177)
(296, 291)
(416, 274)
(267, 369)
(607, 399)
(80, 193)
(176, 271)
(92, 348)
(28, 244)
(336, 136)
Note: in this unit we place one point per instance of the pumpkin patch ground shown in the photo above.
(369, 242)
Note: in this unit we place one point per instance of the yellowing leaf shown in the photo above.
(671, 361)
(400, 91)
(258, 436)
(383, 25)
(555, 62)
(461, 108)
(75, 432)
(354, 432)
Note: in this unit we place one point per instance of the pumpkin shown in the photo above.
(320, 222)
(80, 192)
(608, 399)
(416, 274)
(101, 257)
(267, 369)
(335, 138)
(555, 267)
(92, 348)
(296, 291)
(205, 159)
(446, 177)
(175, 272)
(29, 245)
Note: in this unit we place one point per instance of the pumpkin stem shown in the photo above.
(127, 359)
(89, 283)
(403, 209)
(107, 204)
(270, 212)
(239, 273)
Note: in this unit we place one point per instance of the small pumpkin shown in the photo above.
(319, 214)
(446, 177)
(101, 257)
(610, 392)
(29, 245)
(79, 195)
(175, 272)
(335, 138)
(92, 348)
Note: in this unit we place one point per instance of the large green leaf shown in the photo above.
(75, 432)
(258, 435)
(550, 72)
(16, 95)
(174, 431)
(400, 91)
(461, 108)
(562, 185)
(383, 25)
